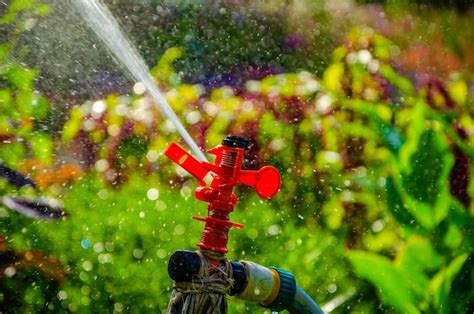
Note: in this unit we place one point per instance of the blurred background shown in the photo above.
(365, 107)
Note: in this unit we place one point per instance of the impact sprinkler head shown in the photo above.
(265, 181)
(217, 181)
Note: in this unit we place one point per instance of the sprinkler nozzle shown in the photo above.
(236, 141)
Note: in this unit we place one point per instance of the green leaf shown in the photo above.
(5, 126)
(4, 51)
(465, 222)
(447, 125)
(440, 285)
(392, 138)
(7, 18)
(460, 297)
(425, 162)
(6, 101)
(73, 125)
(333, 76)
(21, 77)
(42, 147)
(19, 5)
(24, 102)
(415, 258)
(13, 154)
(396, 79)
(413, 134)
(453, 237)
(431, 166)
(391, 287)
(396, 205)
(164, 70)
(40, 107)
(458, 90)
(382, 47)
(271, 128)
(43, 9)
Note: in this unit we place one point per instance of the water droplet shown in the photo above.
(161, 253)
(101, 165)
(179, 229)
(152, 155)
(98, 109)
(103, 194)
(332, 288)
(85, 243)
(139, 88)
(193, 117)
(109, 246)
(98, 247)
(274, 230)
(153, 194)
(160, 205)
(105, 258)
(138, 253)
(118, 307)
(87, 265)
(186, 191)
(378, 225)
(62, 295)
(10, 271)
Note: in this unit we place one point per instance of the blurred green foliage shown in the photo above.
(117, 245)
(375, 204)
(23, 110)
(224, 38)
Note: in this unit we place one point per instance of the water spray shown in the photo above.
(105, 26)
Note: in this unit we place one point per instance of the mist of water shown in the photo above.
(102, 22)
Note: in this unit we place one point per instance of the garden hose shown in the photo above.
(303, 303)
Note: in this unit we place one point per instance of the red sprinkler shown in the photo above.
(223, 175)
(203, 278)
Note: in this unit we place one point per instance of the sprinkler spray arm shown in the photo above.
(217, 181)
(265, 181)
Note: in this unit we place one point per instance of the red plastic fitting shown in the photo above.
(224, 174)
